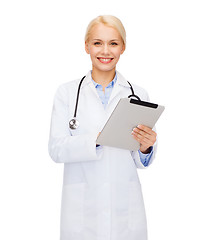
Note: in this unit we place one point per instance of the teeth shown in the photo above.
(105, 59)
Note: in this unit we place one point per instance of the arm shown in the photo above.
(62, 146)
(148, 145)
(145, 157)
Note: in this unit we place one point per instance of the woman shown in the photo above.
(101, 197)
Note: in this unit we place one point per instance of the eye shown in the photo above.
(97, 43)
(114, 43)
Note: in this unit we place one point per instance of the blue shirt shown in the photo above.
(104, 97)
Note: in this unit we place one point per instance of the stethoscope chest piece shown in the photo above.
(74, 123)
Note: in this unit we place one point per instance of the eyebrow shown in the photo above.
(101, 40)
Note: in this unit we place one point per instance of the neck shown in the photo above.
(103, 78)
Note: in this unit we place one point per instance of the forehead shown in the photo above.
(103, 32)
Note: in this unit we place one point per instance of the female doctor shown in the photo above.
(101, 196)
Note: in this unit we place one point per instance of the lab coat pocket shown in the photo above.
(137, 217)
(72, 207)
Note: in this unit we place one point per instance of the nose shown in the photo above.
(105, 49)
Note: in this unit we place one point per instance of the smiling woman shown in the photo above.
(101, 197)
(105, 44)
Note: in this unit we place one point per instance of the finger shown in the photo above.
(147, 130)
(149, 136)
(145, 142)
(141, 133)
(144, 128)
(147, 139)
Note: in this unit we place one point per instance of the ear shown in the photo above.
(87, 47)
(123, 49)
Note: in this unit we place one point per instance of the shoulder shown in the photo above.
(66, 89)
(141, 92)
(69, 89)
(68, 85)
(71, 86)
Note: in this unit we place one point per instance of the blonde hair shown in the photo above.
(110, 21)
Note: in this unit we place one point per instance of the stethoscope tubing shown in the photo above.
(73, 123)
(132, 95)
(77, 98)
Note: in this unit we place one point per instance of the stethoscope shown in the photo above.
(74, 123)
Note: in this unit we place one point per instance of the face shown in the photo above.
(105, 46)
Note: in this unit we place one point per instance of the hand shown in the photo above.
(145, 136)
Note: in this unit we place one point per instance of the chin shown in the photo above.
(105, 68)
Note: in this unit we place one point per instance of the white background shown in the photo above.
(170, 52)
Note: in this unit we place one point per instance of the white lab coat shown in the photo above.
(101, 196)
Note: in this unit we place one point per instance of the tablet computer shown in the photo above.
(127, 115)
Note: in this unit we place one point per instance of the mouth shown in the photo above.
(105, 60)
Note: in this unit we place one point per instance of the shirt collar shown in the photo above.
(111, 84)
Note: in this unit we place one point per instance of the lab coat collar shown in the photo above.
(120, 79)
(87, 79)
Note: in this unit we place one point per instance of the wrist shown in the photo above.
(147, 150)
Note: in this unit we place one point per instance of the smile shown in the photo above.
(105, 60)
